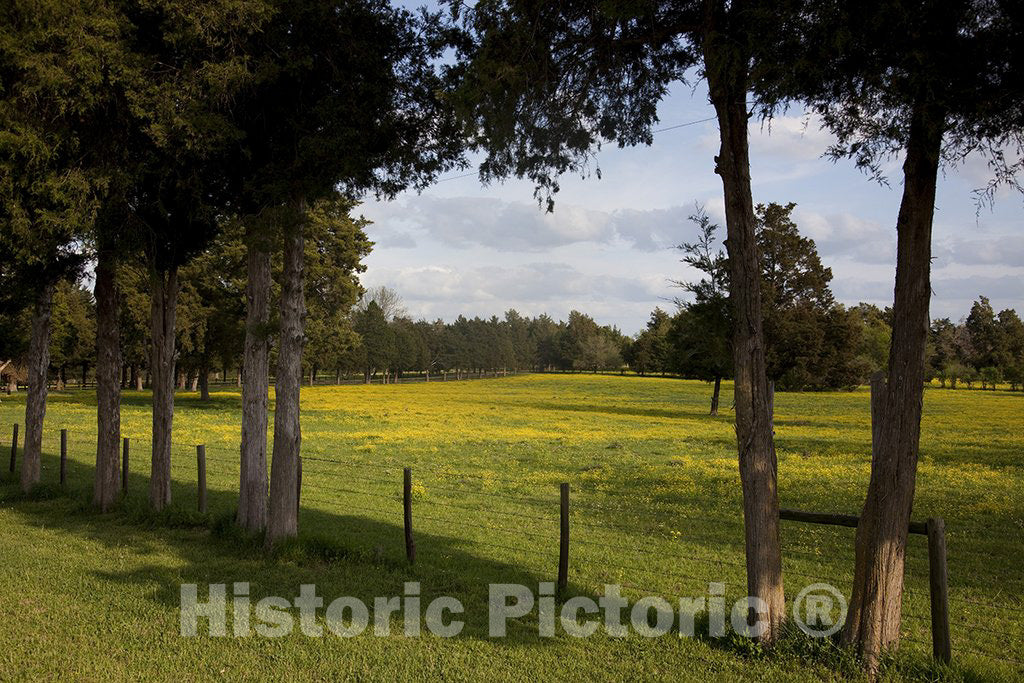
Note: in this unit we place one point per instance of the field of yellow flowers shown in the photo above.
(655, 508)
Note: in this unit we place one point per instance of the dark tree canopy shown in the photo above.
(865, 68)
(548, 83)
(344, 95)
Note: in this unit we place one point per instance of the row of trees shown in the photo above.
(840, 348)
(199, 153)
(371, 336)
(811, 341)
(137, 130)
(931, 81)
(984, 347)
(513, 342)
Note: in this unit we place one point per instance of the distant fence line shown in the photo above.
(322, 380)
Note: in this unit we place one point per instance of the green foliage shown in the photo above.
(47, 198)
(868, 68)
(73, 335)
(545, 84)
(651, 351)
(983, 346)
(811, 341)
(336, 244)
(309, 127)
(377, 339)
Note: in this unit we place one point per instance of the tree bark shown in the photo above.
(283, 519)
(726, 67)
(107, 483)
(35, 401)
(204, 382)
(164, 304)
(715, 395)
(255, 381)
(873, 622)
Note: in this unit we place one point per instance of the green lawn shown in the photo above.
(655, 508)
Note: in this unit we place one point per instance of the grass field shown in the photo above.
(655, 507)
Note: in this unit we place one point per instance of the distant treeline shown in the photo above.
(984, 349)
(377, 338)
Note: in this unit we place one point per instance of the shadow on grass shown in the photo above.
(226, 398)
(210, 549)
(626, 410)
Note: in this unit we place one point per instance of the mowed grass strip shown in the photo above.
(655, 507)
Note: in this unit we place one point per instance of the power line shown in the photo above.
(658, 130)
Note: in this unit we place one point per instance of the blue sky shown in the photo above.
(460, 248)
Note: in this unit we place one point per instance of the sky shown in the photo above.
(607, 249)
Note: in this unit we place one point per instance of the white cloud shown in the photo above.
(607, 247)
(789, 138)
(983, 250)
(845, 235)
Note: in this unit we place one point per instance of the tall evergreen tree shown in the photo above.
(547, 83)
(310, 128)
(930, 80)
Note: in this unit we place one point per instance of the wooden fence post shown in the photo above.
(125, 443)
(201, 465)
(563, 540)
(410, 543)
(63, 457)
(14, 446)
(938, 579)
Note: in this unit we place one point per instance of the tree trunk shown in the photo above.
(726, 68)
(85, 374)
(873, 623)
(252, 485)
(204, 382)
(35, 402)
(138, 381)
(107, 481)
(164, 303)
(283, 519)
(714, 396)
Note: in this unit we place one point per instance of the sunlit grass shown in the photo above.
(655, 506)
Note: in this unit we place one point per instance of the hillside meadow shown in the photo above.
(655, 508)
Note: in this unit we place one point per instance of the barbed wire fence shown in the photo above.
(519, 521)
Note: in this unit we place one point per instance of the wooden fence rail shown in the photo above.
(938, 574)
